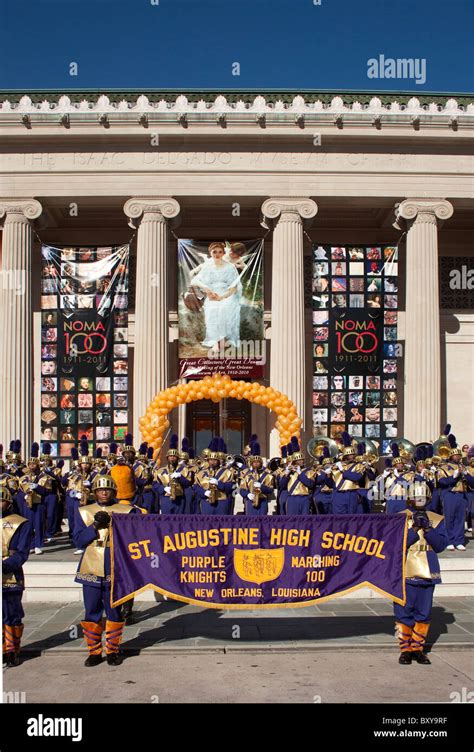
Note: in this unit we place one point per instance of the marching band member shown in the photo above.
(347, 474)
(34, 487)
(256, 485)
(186, 466)
(79, 485)
(16, 541)
(469, 479)
(398, 479)
(112, 455)
(51, 500)
(122, 472)
(92, 533)
(426, 538)
(143, 478)
(453, 497)
(215, 483)
(7, 479)
(16, 466)
(300, 483)
(170, 481)
(281, 480)
(324, 485)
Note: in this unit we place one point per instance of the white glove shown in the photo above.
(176, 475)
(76, 494)
(257, 485)
(167, 489)
(456, 473)
(396, 473)
(251, 496)
(86, 483)
(327, 470)
(339, 465)
(32, 486)
(207, 493)
(213, 481)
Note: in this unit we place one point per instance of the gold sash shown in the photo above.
(448, 470)
(225, 475)
(297, 487)
(344, 484)
(93, 561)
(417, 560)
(10, 525)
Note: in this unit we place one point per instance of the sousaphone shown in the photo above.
(405, 447)
(371, 448)
(316, 446)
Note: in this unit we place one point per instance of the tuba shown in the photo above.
(371, 449)
(442, 447)
(316, 446)
(405, 447)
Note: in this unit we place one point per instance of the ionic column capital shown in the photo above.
(288, 209)
(30, 208)
(165, 208)
(424, 210)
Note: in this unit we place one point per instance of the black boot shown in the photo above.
(93, 660)
(114, 659)
(420, 657)
(12, 659)
(405, 658)
(127, 614)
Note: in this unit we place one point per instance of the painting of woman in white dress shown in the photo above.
(220, 307)
(220, 282)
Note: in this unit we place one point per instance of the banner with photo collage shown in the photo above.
(355, 308)
(84, 346)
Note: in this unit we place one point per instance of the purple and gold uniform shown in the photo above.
(348, 476)
(92, 533)
(214, 484)
(426, 538)
(171, 480)
(256, 485)
(16, 541)
(453, 491)
(34, 487)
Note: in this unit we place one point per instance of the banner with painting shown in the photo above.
(84, 346)
(355, 302)
(220, 308)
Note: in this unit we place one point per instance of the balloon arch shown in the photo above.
(155, 422)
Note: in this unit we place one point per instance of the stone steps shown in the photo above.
(53, 581)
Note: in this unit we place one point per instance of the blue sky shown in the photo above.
(192, 44)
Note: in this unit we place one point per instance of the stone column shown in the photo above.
(422, 401)
(16, 317)
(288, 216)
(150, 372)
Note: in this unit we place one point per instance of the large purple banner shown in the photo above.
(250, 562)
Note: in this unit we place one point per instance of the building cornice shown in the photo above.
(237, 107)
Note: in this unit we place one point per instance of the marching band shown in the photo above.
(433, 483)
